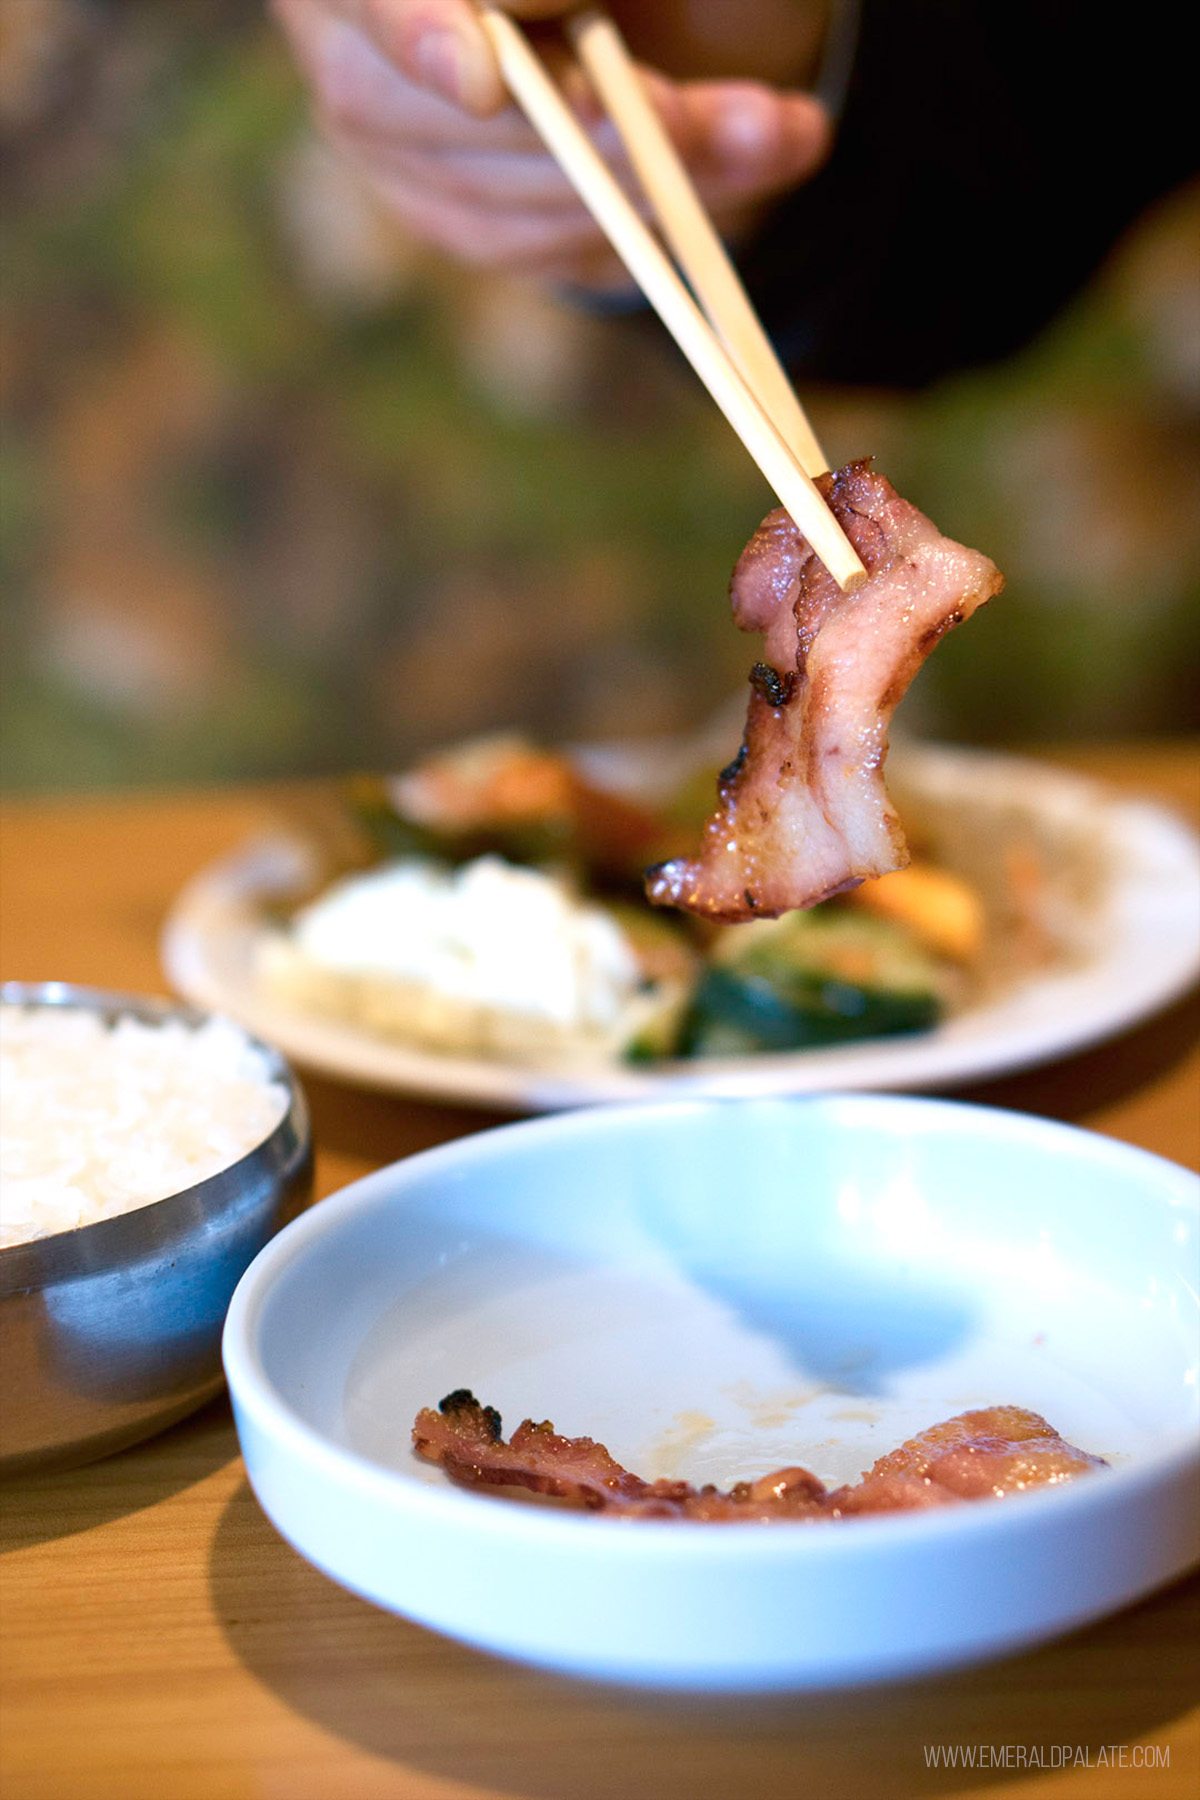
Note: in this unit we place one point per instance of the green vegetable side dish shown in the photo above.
(807, 981)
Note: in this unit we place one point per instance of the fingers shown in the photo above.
(509, 181)
(483, 188)
(439, 45)
(436, 45)
(360, 95)
(549, 243)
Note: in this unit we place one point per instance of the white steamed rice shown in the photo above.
(97, 1119)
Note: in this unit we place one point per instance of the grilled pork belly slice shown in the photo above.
(996, 1451)
(802, 812)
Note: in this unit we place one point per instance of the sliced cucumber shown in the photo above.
(824, 977)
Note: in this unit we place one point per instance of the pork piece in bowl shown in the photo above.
(762, 1393)
(149, 1152)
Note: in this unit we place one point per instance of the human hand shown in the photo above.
(410, 90)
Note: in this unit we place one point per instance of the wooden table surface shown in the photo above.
(159, 1641)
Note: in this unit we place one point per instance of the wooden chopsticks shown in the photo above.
(690, 232)
(739, 368)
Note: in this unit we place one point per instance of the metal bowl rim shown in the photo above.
(107, 1243)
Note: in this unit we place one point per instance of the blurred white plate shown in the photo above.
(713, 1290)
(1136, 946)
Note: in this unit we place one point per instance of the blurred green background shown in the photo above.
(281, 492)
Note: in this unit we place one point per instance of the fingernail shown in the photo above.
(745, 129)
(440, 59)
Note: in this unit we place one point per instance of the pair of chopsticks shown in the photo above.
(729, 350)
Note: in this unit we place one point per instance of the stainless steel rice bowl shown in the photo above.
(112, 1331)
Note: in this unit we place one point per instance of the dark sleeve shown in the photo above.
(988, 157)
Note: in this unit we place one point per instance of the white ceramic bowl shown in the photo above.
(714, 1289)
